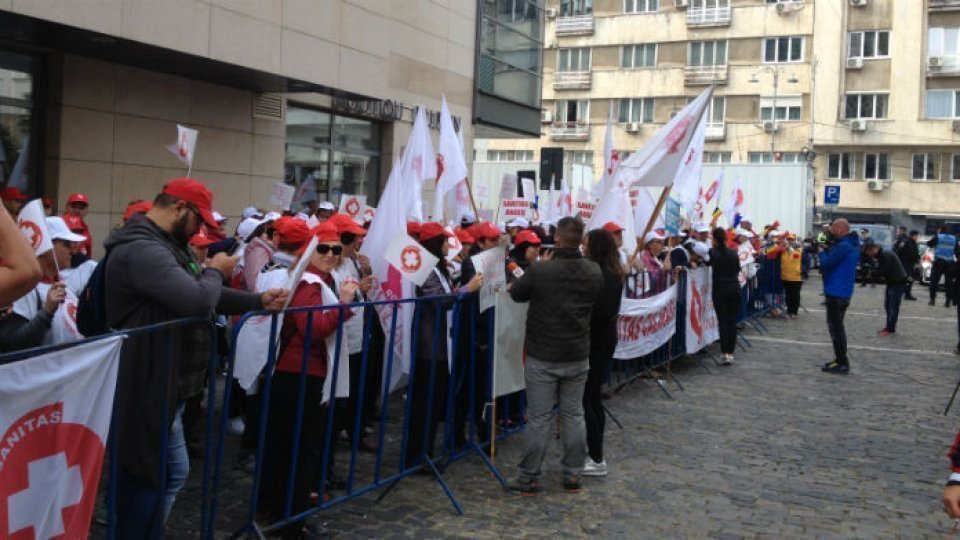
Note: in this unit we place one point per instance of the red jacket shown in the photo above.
(295, 328)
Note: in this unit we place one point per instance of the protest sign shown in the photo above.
(701, 323)
(672, 212)
(32, 224)
(282, 195)
(511, 209)
(645, 324)
(353, 206)
(490, 264)
(413, 261)
(509, 334)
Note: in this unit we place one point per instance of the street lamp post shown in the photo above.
(775, 71)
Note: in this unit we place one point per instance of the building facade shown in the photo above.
(865, 91)
(91, 91)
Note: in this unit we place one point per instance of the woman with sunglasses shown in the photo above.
(315, 289)
(430, 357)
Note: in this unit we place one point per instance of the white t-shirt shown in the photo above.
(63, 327)
(77, 278)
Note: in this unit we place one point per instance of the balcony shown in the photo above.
(715, 132)
(943, 66)
(572, 80)
(570, 131)
(704, 75)
(576, 25)
(718, 16)
(944, 5)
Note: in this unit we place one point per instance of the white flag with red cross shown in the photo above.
(451, 170)
(413, 261)
(32, 223)
(54, 420)
(185, 146)
(353, 206)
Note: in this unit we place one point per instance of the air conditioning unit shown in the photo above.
(854, 63)
(682, 4)
(858, 124)
(875, 185)
(935, 62)
(955, 125)
(551, 13)
(770, 126)
(633, 127)
(546, 117)
(858, 3)
(781, 9)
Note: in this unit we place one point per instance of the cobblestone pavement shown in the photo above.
(768, 448)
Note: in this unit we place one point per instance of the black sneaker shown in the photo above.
(931, 303)
(572, 484)
(524, 486)
(911, 298)
(835, 367)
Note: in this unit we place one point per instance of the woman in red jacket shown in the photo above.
(307, 343)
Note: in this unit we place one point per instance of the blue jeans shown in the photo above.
(178, 462)
(891, 303)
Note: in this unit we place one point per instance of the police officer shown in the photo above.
(944, 258)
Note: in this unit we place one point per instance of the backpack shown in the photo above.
(92, 305)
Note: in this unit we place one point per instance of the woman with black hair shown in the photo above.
(726, 292)
(600, 247)
(526, 251)
(429, 356)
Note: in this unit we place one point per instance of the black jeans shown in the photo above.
(891, 303)
(726, 302)
(593, 413)
(836, 309)
(423, 421)
(792, 290)
(943, 268)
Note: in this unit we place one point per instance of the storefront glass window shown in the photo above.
(16, 106)
(340, 153)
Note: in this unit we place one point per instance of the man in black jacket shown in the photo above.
(562, 292)
(908, 251)
(890, 268)
(152, 278)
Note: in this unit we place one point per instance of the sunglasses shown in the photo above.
(323, 249)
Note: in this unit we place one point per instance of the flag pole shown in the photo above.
(473, 204)
(653, 219)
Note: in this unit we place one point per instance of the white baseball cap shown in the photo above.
(218, 217)
(653, 235)
(701, 227)
(251, 211)
(58, 230)
(519, 222)
(746, 219)
(326, 205)
(247, 226)
(271, 216)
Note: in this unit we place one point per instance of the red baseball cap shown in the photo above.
(195, 193)
(291, 230)
(413, 228)
(484, 230)
(612, 227)
(78, 198)
(133, 208)
(12, 194)
(326, 232)
(74, 223)
(47, 202)
(463, 236)
(201, 239)
(526, 237)
(346, 224)
(432, 230)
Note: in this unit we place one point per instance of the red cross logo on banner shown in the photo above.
(696, 310)
(33, 233)
(368, 214)
(439, 165)
(183, 145)
(410, 259)
(676, 136)
(49, 472)
(353, 207)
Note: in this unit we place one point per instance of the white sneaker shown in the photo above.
(726, 360)
(235, 426)
(592, 468)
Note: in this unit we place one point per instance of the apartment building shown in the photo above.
(865, 91)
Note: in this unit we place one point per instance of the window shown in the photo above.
(872, 44)
(840, 166)
(781, 157)
(866, 106)
(708, 4)
(573, 111)
(789, 108)
(509, 155)
(579, 157)
(708, 53)
(717, 157)
(955, 170)
(570, 8)
(924, 167)
(17, 122)
(943, 103)
(639, 56)
(640, 6)
(876, 166)
(943, 42)
(573, 59)
(636, 110)
(785, 1)
(783, 49)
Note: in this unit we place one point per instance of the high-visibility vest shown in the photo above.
(946, 244)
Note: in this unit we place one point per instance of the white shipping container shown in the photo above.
(772, 192)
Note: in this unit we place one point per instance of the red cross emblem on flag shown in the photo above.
(183, 145)
(33, 233)
(410, 259)
(353, 207)
(677, 135)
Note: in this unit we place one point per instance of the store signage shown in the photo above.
(388, 110)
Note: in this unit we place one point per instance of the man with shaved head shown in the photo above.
(839, 266)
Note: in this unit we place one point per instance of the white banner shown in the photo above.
(353, 206)
(54, 420)
(492, 264)
(33, 225)
(645, 324)
(701, 318)
(509, 334)
(413, 261)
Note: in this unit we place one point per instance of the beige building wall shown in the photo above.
(108, 123)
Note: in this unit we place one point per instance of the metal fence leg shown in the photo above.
(663, 387)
